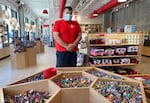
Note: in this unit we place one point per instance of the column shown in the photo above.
(21, 20)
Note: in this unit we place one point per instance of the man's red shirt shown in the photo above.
(68, 31)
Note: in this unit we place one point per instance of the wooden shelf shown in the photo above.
(115, 56)
(132, 64)
(119, 36)
(114, 45)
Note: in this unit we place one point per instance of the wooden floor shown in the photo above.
(8, 74)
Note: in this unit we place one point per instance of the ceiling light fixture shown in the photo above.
(122, 0)
(45, 11)
(95, 15)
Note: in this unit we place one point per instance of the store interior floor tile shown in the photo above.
(45, 60)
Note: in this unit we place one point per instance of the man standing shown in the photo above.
(67, 34)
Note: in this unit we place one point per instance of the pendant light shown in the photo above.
(45, 11)
(122, 0)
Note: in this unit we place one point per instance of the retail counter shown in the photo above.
(4, 52)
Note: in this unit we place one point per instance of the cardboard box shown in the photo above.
(31, 56)
(45, 86)
(19, 60)
(129, 28)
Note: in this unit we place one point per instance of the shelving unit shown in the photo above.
(113, 45)
(91, 28)
(110, 42)
(131, 64)
(115, 56)
(4, 41)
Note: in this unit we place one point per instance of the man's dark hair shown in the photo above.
(69, 8)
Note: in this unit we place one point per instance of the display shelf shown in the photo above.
(100, 73)
(147, 93)
(66, 80)
(19, 60)
(68, 69)
(28, 79)
(100, 65)
(99, 86)
(119, 45)
(144, 78)
(59, 70)
(45, 86)
(31, 56)
(39, 47)
(4, 52)
(76, 95)
(115, 56)
(91, 28)
(94, 45)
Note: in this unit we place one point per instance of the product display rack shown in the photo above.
(72, 94)
(4, 38)
(112, 41)
(4, 41)
(91, 28)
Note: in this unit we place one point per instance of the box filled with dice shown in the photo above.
(88, 85)
(145, 79)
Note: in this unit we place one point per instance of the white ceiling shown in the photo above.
(37, 6)
(84, 7)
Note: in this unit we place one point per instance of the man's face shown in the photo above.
(67, 11)
(67, 15)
